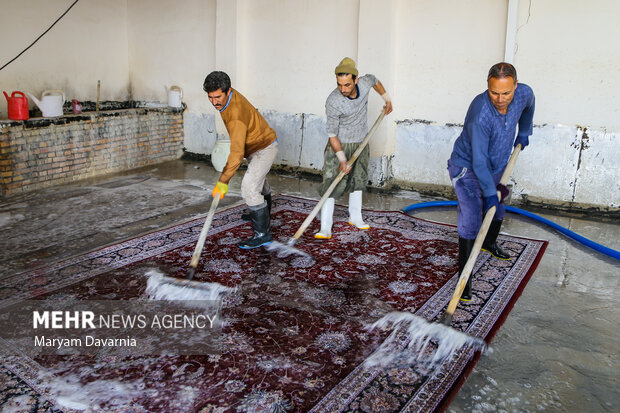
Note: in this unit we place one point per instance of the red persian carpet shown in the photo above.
(295, 336)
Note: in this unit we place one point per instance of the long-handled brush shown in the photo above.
(161, 287)
(425, 335)
(283, 250)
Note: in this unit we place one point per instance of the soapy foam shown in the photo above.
(430, 343)
(159, 288)
(68, 392)
(284, 250)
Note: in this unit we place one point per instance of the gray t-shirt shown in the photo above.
(348, 118)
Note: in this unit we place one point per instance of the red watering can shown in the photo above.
(17, 106)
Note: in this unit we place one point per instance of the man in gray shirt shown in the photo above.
(347, 125)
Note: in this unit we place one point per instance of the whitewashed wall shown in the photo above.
(567, 52)
(431, 56)
(174, 44)
(171, 44)
(288, 50)
(88, 44)
(443, 52)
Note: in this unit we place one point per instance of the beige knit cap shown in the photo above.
(347, 65)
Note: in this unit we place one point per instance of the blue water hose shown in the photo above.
(587, 242)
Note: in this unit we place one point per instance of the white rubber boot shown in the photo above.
(327, 218)
(355, 210)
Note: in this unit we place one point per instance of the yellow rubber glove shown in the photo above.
(220, 189)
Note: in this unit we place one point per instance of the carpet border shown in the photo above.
(451, 394)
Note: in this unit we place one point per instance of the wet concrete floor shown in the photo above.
(558, 351)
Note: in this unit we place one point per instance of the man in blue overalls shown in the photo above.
(480, 156)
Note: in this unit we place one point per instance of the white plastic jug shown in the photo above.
(51, 102)
(219, 155)
(175, 94)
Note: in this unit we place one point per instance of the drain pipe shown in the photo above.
(511, 31)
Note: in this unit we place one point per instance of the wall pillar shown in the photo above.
(377, 45)
(226, 48)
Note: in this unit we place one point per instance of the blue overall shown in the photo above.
(481, 152)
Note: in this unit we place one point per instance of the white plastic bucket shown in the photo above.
(220, 153)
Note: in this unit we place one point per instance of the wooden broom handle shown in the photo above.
(203, 233)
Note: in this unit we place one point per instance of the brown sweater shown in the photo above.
(249, 132)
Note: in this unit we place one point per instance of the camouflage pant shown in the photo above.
(356, 180)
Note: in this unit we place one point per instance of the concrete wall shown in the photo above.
(575, 74)
(576, 70)
(174, 44)
(431, 56)
(88, 44)
(287, 50)
(170, 44)
(433, 62)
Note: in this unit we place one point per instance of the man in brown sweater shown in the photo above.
(252, 138)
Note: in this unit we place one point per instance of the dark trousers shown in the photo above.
(469, 195)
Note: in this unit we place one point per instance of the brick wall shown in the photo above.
(42, 152)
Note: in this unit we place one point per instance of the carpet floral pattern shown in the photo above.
(295, 333)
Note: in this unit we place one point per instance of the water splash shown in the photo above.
(160, 287)
(284, 250)
(429, 343)
(69, 391)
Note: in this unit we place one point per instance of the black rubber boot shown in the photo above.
(260, 223)
(465, 247)
(248, 217)
(490, 241)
